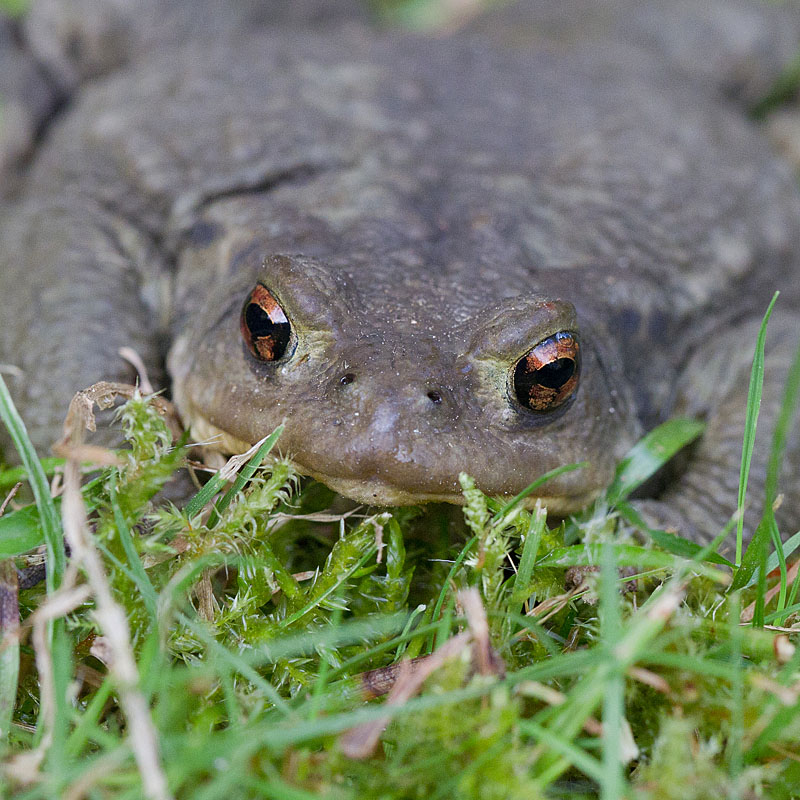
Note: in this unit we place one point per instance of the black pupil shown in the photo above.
(258, 321)
(555, 374)
(262, 327)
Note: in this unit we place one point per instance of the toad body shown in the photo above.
(501, 251)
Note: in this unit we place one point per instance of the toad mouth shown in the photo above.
(374, 492)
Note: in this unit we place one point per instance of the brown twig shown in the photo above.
(361, 741)
(403, 680)
(204, 592)
(9, 497)
(378, 682)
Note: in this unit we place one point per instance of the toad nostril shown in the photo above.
(347, 378)
(435, 398)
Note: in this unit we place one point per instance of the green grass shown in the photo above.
(249, 617)
(428, 14)
(14, 8)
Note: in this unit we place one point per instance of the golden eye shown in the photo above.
(547, 376)
(265, 329)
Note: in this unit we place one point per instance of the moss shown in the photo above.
(252, 628)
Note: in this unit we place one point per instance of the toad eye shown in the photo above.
(265, 329)
(547, 376)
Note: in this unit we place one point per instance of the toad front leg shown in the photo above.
(714, 386)
(73, 282)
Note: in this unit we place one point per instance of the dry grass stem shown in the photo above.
(9, 497)
(112, 621)
(135, 360)
(788, 695)
(487, 661)
(230, 469)
(776, 628)
(378, 528)
(80, 417)
(784, 752)
(111, 618)
(552, 606)
(649, 678)
(9, 633)
(542, 692)
(553, 697)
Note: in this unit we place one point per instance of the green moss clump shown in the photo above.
(254, 614)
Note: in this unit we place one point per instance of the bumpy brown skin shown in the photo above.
(425, 211)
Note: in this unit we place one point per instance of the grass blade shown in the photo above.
(51, 524)
(676, 545)
(735, 754)
(215, 484)
(649, 454)
(612, 781)
(530, 549)
(751, 421)
(10, 477)
(20, 531)
(244, 475)
(447, 585)
(788, 547)
(579, 758)
(138, 574)
(532, 487)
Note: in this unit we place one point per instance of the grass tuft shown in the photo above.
(603, 659)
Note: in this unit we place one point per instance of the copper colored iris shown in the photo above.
(265, 328)
(547, 376)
